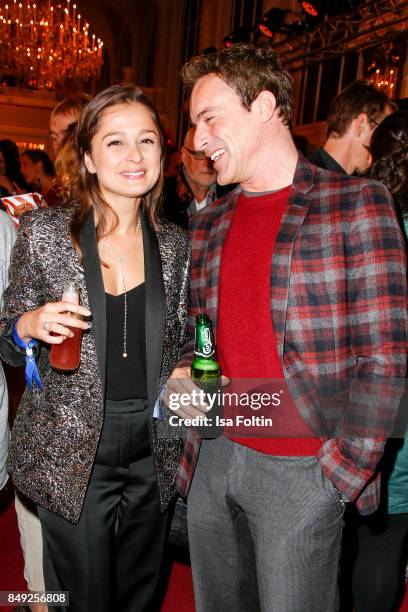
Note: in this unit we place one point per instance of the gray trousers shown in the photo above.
(264, 532)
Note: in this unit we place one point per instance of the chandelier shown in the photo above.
(385, 79)
(43, 43)
(384, 64)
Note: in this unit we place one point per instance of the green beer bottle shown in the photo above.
(206, 373)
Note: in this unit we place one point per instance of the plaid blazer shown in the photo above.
(338, 305)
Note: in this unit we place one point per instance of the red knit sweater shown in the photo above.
(246, 344)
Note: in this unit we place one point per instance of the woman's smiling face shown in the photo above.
(125, 152)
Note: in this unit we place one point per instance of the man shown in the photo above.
(353, 116)
(303, 275)
(194, 185)
(199, 173)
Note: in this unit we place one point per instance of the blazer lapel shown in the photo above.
(154, 309)
(217, 235)
(296, 211)
(95, 289)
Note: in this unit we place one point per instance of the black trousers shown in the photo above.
(378, 577)
(110, 560)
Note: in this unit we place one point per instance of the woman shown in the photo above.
(87, 449)
(38, 171)
(379, 571)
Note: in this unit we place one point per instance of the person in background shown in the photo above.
(7, 238)
(28, 523)
(379, 570)
(353, 116)
(283, 266)
(11, 180)
(38, 171)
(194, 185)
(65, 113)
(88, 449)
(199, 175)
(67, 168)
(389, 154)
(5, 183)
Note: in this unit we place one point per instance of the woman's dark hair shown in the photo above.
(89, 193)
(389, 150)
(38, 156)
(11, 156)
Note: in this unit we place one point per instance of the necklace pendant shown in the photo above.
(124, 355)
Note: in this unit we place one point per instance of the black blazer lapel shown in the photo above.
(96, 290)
(154, 309)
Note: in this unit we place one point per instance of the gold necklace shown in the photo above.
(120, 256)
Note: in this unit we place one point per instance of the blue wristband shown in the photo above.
(31, 371)
(158, 410)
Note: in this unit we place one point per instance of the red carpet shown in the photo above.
(11, 560)
(179, 595)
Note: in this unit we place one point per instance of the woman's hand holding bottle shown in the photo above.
(51, 322)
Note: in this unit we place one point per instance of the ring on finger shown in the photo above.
(46, 324)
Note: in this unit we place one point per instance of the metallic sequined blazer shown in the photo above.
(56, 431)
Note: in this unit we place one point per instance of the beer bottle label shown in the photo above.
(204, 346)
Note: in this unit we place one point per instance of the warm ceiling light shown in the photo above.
(271, 22)
(310, 9)
(57, 45)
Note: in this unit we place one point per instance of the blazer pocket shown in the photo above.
(319, 245)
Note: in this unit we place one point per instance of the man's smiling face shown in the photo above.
(227, 132)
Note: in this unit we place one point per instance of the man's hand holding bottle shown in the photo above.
(188, 389)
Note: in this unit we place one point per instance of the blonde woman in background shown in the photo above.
(62, 116)
(67, 166)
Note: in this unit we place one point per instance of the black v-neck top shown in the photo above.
(126, 377)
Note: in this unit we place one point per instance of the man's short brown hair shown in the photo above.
(358, 97)
(248, 70)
